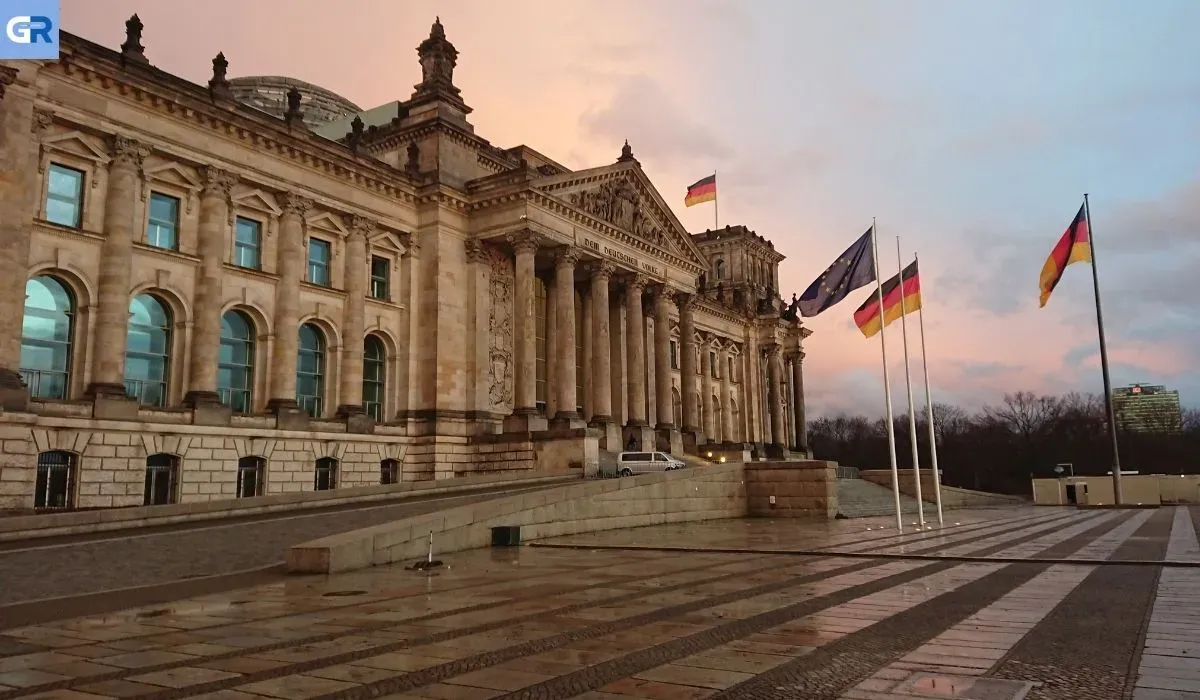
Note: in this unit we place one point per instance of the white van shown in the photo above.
(630, 463)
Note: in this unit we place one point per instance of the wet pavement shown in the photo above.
(1000, 604)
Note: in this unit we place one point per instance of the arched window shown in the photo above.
(148, 350)
(310, 370)
(374, 376)
(235, 364)
(161, 479)
(55, 487)
(46, 333)
(251, 477)
(389, 471)
(737, 422)
(720, 268)
(718, 421)
(325, 478)
(677, 407)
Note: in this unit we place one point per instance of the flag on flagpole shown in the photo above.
(868, 317)
(1074, 246)
(854, 268)
(703, 190)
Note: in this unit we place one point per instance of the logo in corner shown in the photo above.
(30, 29)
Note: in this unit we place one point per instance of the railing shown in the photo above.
(45, 384)
(238, 400)
(147, 393)
(310, 404)
(848, 473)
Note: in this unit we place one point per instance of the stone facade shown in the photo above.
(193, 287)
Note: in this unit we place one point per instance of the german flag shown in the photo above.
(704, 190)
(1074, 246)
(867, 317)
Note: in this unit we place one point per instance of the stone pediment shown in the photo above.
(621, 195)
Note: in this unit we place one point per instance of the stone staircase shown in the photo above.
(862, 499)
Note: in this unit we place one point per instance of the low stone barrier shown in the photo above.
(22, 527)
(796, 489)
(709, 493)
(952, 496)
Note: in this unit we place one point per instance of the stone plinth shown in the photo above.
(802, 489)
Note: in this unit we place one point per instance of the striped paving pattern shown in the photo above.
(1000, 604)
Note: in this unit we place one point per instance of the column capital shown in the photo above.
(636, 282)
(567, 256)
(524, 241)
(663, 294)
(360, 226)
(295, 205)
(772, 348)
(476, 251)
(8, 76)
(127, 152)
(601, 270)
(217, 182)
(685, 301)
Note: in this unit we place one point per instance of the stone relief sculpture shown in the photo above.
(500, 331)
(617, 202)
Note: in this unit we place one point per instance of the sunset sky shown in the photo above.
(970, 129)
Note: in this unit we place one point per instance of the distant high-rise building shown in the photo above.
(1147, 408)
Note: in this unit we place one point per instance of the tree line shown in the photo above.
(999, 448)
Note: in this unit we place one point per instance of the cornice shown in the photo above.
(713, 309)
(400, 135)
(100, 68)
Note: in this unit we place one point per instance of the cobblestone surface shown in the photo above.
(207, 548)
(1087, 647)
(832, 669)
(551, 623)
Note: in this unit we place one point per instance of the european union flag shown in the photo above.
(853, 269)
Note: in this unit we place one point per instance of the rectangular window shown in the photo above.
(380, 276)
(729, 368)
(318, 261)
(713, 366)
(674, 355)
(163, 225)
(64, 196)
(247, 244)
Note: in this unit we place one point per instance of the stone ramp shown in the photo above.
(858, 498)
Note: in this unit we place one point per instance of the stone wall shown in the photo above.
(802, 489)
(712, 493)
(952, 496)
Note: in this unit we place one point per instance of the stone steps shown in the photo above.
(862, 499)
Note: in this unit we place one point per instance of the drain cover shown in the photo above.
(342, 594)
(931, 686)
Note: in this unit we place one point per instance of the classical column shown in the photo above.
(750, 389)
(726, 396)
(619, 358)
(353, 316)
(706, 369)
(635, 336)
(564, 289)
(116, 260)
(20, 127)
(798, 401)
(525, 245)
(775, 399)
(552, 357)
(664, 299)
(206, 328)
(687, 362)
(601, 366)
(290, 267)
(589, 355)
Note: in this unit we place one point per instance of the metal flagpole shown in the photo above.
(937, 477)
(716, 196)
(1108, 402)
(887, 384)
(912, 415)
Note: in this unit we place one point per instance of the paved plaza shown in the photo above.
(1050, 604)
